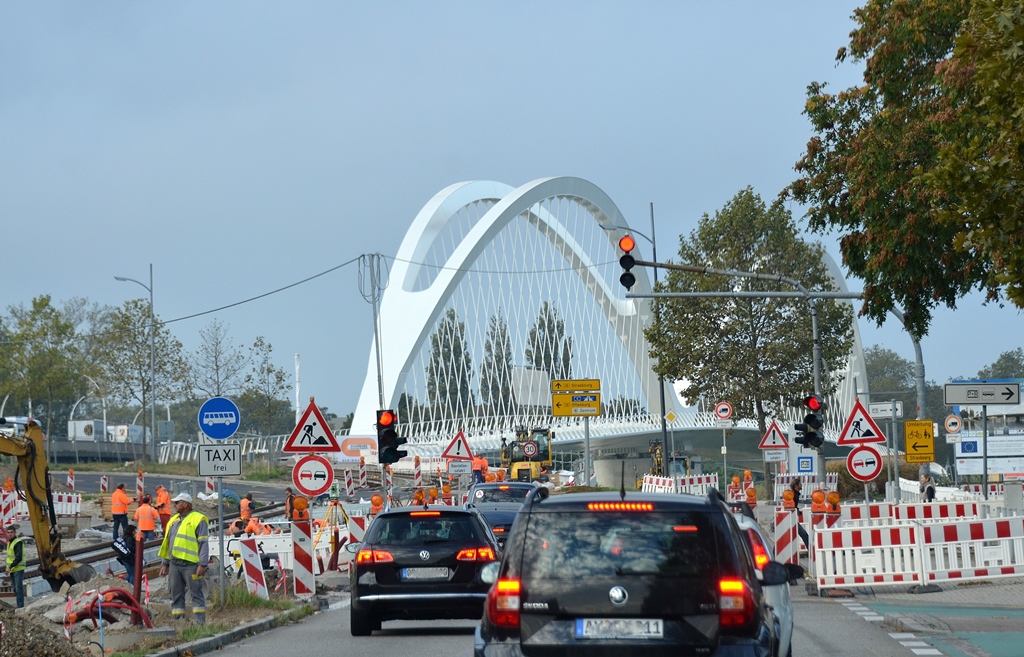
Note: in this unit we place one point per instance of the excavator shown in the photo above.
(32, 481)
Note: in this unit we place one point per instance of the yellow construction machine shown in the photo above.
(32, 482)
(528, 454)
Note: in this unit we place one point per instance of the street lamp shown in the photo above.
(661, 378)
(152, 356)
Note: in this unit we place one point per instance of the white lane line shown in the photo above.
(902, 635)
(874, 618)
(915, 644)
(340, 604)
(926, 651)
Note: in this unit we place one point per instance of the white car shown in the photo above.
(764, 551)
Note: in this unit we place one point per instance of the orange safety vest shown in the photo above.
(146, 518)
(253, 527)
(246, 509)
(119, 502)
(163, 502)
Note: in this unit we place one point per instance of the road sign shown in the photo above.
(220, 460)
(864, 462)
(804, 464)
(219, 418)
(1011, 445)
(575, 404)
(670, 416)
(774, 456)
(859, 428)
(883, 410)
(460, 467)
(576, 385)
(774, 438)
(952, 438)
(529, 449)
(313, 475)
(723, 410)
(312, 433)
(920, 441)
(724, 424)
(954, 424)
(978, 393)
(458, 449)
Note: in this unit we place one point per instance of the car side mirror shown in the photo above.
(489, 573)
(775, 573)
(353, 547)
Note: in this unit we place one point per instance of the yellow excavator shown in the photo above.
(528, 454)
(32, 481)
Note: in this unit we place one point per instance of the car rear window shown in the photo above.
(568, 545)
(420, 530)
(499, 495)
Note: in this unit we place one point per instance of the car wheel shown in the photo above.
(362, 624)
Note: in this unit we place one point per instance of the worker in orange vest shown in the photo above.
(163, 506)
(146, 518)
(245, 507)
(289, 502)
(119, 502)
(479, 469)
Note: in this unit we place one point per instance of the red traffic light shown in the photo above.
(385, 418)
(814, 403)
(627, 243)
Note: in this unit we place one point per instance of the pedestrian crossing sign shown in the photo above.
(859, 428)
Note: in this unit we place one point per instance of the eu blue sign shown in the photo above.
(219, 418)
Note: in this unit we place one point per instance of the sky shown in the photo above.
(241, 147)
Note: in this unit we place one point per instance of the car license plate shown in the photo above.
(619, 628)
(424, 573)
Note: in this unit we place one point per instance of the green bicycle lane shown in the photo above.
(959, 630)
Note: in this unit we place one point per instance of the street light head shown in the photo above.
(120, 278)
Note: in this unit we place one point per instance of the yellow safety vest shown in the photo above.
(186, 542)
(11, 556)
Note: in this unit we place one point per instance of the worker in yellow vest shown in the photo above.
(16, 564)
(185, 555)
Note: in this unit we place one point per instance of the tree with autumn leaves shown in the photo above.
(920, 168)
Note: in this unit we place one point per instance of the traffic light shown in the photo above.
(388, 441)
(801, 433)
(627, 244)
(814, 420)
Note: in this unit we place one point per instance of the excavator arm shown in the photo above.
(32, 481)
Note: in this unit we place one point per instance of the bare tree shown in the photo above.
(217, 365)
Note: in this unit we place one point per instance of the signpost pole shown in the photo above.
(984, 452)
(725, 465)
(894, 476)
(586, 440)
(220, 529)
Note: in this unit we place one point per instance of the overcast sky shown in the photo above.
(240, 147)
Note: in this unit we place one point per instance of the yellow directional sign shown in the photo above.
(576, 385)
(575, 404)
(920, 441)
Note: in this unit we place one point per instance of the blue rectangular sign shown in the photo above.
(805, 464)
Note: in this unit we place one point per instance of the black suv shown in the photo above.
(617, 574)
(420, 563)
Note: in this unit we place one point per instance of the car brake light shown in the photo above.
(476, 554)
(620, 506)
(503, 603)
(418, 514)
(736, 603)
(684, 528)
(757, 546)
(503, 487)
(498, 530)
(367, 555)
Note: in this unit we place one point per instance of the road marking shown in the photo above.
(926, 651)
(902, 635)
(340, 604)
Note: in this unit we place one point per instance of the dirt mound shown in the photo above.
(23, 636)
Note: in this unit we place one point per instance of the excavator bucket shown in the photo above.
(75, 574)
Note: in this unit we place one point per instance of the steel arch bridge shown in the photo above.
(494, 291)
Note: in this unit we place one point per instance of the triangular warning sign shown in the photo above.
(458, 449)
(774, 438)
(312, 433)
(860, 428)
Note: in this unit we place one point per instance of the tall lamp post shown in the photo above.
(661, 379)
(152, 355)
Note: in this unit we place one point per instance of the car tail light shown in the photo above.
(758, 548)
(417, 514)
(476, 554)
(736, 603)
(503, 603)
(366, 555)
(506, 487)
(498, 530)
(620, 506)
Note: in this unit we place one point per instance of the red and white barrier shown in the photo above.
(104, 483)
(350, 489)
(652, 484)
(787, 539)
(211, 486)
(254, 579)
(362, 472)
(8, 505)
(387, 479)
(64, 504)
(417, 474)
(140, 484)
(864, 515)
(302, 559)
(985, 549)
(809, 481)
(936, 511)
(868, 556)
(696, 484)
(71, 479)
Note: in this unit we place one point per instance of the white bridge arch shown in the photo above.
(578, 224)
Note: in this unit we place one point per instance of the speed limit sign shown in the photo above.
(530, 449)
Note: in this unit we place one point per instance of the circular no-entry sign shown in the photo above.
(953, 424)
(313, 475)
(530, 449)
(723, 410)
(864, 462)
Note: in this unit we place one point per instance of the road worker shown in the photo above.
(119, 502)
(289, 502)
(185, 554)
(245, 507)
(479, 469)
(794, 488)
(163, 507)
(146, 518)
(16, 563)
